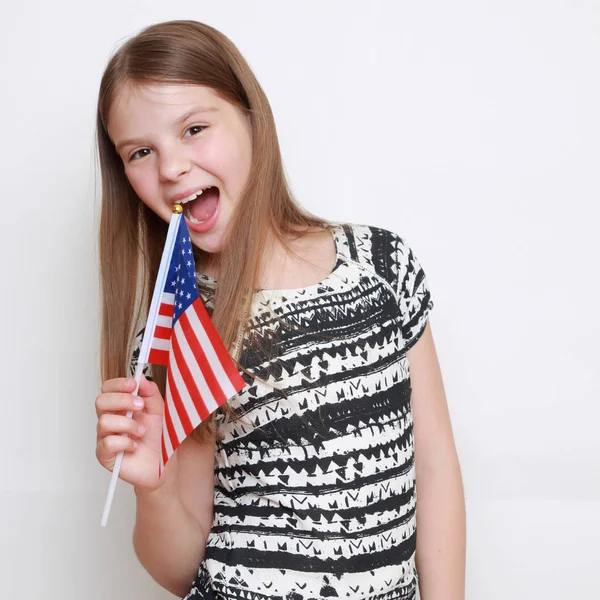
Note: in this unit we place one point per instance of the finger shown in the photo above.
(147, 387)
(152, 397)
(119, 384)
(108, 447)
(118, 402)
(110, 424)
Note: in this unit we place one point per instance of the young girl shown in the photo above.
(305, 484)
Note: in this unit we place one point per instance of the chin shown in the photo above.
(209, 244)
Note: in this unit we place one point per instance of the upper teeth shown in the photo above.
(193, 196)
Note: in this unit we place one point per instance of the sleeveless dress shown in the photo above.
(315, 491)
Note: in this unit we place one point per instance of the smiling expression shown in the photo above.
(177, 139)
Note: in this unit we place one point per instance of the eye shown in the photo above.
(195, 129)
(141, 154)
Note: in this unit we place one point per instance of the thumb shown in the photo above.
(151, 396)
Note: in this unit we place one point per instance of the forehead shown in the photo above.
(136, 105)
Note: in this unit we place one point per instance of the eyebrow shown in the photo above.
(196, 110)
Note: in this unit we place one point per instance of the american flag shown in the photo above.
(201, 376)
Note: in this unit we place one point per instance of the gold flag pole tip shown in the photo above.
(177, 209)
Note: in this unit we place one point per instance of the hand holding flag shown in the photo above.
(139, 466)
(201, 375)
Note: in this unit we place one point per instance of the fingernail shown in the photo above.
(135, 445)
(141, 429)
(138, 402)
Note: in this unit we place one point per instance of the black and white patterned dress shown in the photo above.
(315, 484)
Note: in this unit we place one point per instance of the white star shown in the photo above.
(188, 296)
(173, 283)
(182, 280)
(180, 306)
(177, 267)
(189, 263)
(190, 251)
(182, 251)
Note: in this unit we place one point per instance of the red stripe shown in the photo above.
(217, 343)
(170, 427)
(171, 431)
(202, 360)
(175, 392)
(158, 357)
(188, 380)
(162, 333)
(165, 458)
(166, 310)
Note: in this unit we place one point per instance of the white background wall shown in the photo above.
(469, 127)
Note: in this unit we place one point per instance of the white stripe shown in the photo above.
(192, 363)
(164, 321)
(211, 355)
(184, 393)
(179, 432)
(159, 344)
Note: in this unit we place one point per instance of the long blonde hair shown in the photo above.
(131, 236)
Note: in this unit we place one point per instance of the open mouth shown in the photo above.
(201, 206)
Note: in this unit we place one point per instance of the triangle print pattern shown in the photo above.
(315, 483)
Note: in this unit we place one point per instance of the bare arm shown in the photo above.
(173, 522)
(441, 528)
(174, 512)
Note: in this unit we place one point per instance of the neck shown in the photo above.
(279, 260)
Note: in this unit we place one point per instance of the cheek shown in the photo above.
(242, 151)
(226, 158)
(214, 158)
(139, 182)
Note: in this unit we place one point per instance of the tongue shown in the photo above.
(204, 206)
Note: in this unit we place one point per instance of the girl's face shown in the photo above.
(175, 140)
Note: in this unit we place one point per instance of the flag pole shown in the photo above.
(145, 349)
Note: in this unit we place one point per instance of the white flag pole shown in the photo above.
(148, 335)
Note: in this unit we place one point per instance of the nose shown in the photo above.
(174, 165)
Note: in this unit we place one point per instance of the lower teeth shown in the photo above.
(188, 214)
